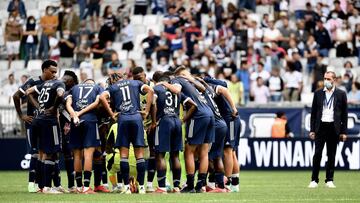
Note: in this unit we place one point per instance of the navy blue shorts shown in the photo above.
(32, 139)
(130, 130)
(233, 134)
(168, 135)
(217, 148)
(85, 135)
(200, 131)
(93, 9)
(49, 135)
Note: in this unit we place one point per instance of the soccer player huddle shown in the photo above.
(96, 127)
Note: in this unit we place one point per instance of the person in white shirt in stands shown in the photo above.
(260, 92)
(9, 88)
(276, 85)
(272, 34)
(293, 83)
(265, 75)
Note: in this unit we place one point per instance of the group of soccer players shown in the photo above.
(95, 128)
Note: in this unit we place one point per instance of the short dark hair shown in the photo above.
(47, 63)
(279, 114)
(137, 70)
(73, 75)
(164, 78)
(157, 75)
(357, 85)
(179, 69)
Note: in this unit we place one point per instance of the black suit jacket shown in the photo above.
(340, 111)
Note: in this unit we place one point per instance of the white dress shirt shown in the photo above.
(328, 106)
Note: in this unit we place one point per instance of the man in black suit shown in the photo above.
(328, 125)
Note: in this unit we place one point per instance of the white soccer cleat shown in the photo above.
(32, 187)
(150, 189)
(330, 184)
(126, 190)
(61, 189)
(234, 188)
(48, 190)
(142, 190)
(117, 189)
(73, 190)
(313, 184)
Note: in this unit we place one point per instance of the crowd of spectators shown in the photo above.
(268, 56)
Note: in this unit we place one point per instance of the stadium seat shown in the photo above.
(3, 64)
(155, 28)
(3, 15)
(17, 65)
(263, 9)
(136, 19)
(117, 46)
(136, 55)
(150, 19)
(31, 4)
(336, 62)
(122, 54)
(34, 12)
(332, 53)
(139, 29)
(4, 101)
(34, 65)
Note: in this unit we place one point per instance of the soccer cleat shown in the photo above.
(234, 188)
(313, 184)
(88, 190)
(32, 187)
(117, 189)
(161, 191)
(210, 188)
(101, 189)
(61, 189)
(330, 184)
(126, 190)
(201, 190)
(186, 189)
(218, 190)
(73, 190)
(48, 190)
(142, 190)
(150, 189)
(176, 190)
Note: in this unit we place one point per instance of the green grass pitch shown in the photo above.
(256, 186)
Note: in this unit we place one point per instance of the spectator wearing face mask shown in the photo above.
(127, 35)
(343, 41)
(164, 65)
(150, 43)
(82, 50)
(67, 45)
(97, 49)
(13, 34)
(114, 66)
(349, 70)
(333, 24)
(48, 23)
(30, 39)
(338, 11)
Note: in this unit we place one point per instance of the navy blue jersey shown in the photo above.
(83, 95)
(209, 96)
(203, 110)
(47, 95)
(126, 96)
(31, 110)
(167, 103)
(222, 103)
(215, 81)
